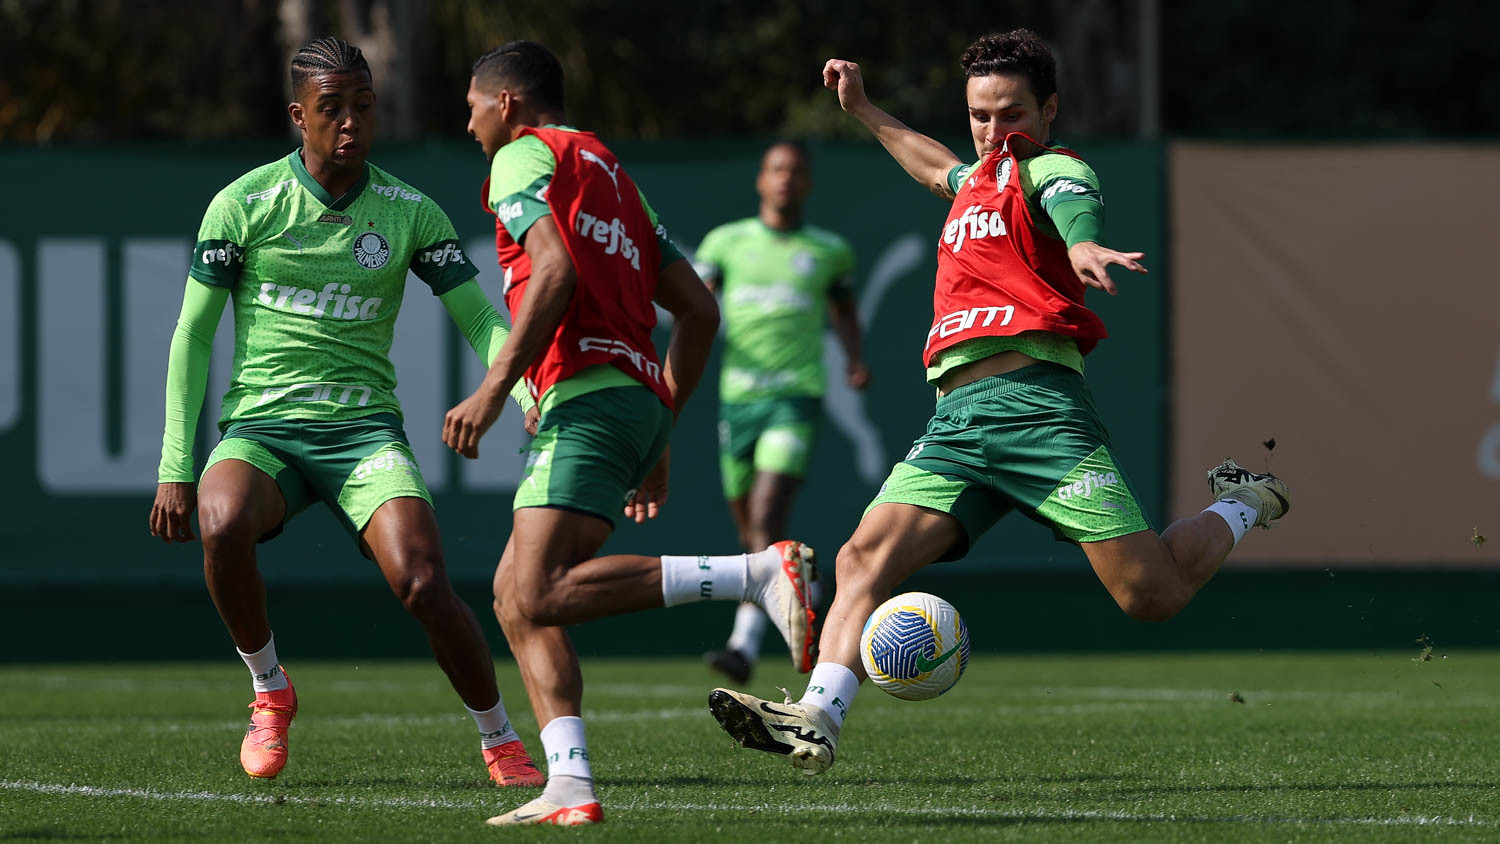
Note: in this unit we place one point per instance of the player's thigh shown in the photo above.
(771, 496)
(590, 452)
(895, 540)
(402, 538)
(1140, 574)
(241, 491)
(544, 543)
(358, 465)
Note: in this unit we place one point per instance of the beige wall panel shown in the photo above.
(1345, 301)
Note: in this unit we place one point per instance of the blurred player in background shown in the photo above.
(314, 251)
(777, 275)
(1015, 427)
(583, 259)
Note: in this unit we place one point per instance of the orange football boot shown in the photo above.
(263, 751)
(510, 764)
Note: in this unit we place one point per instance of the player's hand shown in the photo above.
(648, 498)
(1091, 264)
(533, 419)
(859, 374)
(845, 78)
(172, 512)
(469, 419)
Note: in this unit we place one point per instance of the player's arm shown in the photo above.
(548, 293)
(843, 315)
(695, 321)
(1069, 196)
(923, 158)
(484, 328)
(187, 381)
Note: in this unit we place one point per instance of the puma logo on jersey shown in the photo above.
(966, 319)
(619, 347)
(611, 235)
(315, 304)
(974, 224)
(612, 172)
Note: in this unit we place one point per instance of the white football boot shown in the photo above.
(801, 731)
(1266, 494)
(780, 584)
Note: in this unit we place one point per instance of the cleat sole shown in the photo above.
(744, 725)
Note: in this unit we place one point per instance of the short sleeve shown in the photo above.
(219, 252)
(669, 251)
(709, 259)
(1056, 179)
(842, 270)
(957, 175)
(519, 176)
(439, 261)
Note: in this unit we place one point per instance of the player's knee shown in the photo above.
(855, 565)
(225, 526)
(535, 604)
(423, 595)
(1152, 604)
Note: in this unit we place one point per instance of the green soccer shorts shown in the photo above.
(591, 452)
(1028, 440)
(352, 465)
(770, 435)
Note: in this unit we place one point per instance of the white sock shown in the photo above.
(265, 671)
(831, 688)
(687, 579)
(1237, 514)
(494, 725)
(570, 779)
(749, 623)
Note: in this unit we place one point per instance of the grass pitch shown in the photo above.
(1245, 747)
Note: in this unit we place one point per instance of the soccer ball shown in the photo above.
(915, 646)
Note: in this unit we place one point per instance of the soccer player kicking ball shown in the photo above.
(1015, 428)
(314, 250)
(778, 275)
(584, 258)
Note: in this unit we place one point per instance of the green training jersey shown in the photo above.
(316, 283)
(775, 288)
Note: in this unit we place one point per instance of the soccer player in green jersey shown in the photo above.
(777, 275)
(314, 250)
(1015, 427)
(584, 258)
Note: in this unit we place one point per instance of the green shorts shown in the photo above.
(591, 452)
(770, 435)
(1028, 440)
(353, 465)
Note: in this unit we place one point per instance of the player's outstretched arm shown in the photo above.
(484, 328)
(548, 292)
(187, 381)
(923, 158)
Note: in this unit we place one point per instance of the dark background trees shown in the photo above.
(79, 70)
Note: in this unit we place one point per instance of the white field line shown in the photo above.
(805, 809)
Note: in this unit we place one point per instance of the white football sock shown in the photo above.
(265, 671)
(831, 688)
(494, 725)
(749, 624)
(687, 579)
(1237, 514)
(570, 779)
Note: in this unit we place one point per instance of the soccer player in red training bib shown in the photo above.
(314, 250)
(583, 259)
(1015, 427)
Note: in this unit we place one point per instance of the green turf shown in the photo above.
(1036, 748)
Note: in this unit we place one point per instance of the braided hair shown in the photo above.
(325, 56)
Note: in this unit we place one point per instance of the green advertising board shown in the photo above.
(93, 256)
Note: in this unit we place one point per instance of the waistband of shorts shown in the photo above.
(1005, 382)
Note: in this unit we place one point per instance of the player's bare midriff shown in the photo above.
(996, 364)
